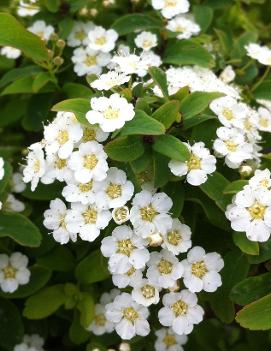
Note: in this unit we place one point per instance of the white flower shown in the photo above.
(125, 250)
(180, 312)
(167, 340)
(228, 74)
(251, 213)
(171, 8)
(25, 9)
(264, 121)
(260, 53)
(261, 179)
(36, 166)
(231, 144)
(121, 214)
(87, 220)
(41, 29)
(93, 132)
(89, 162)
(128, 63)
(56, 168)
(110, 113)
(229, 111)
(130, 318)
(201, 270)
(115, 190)
(60, 137)
(89, 61)
(2, 170)
(102, 39)
(55, 219)
(164, 269)
(145, 293)
(30, 343)
(10, 52)
(146, 40)
(178, 238)
(85, 193)
(149, 213)
(12, 204)
(17, 184)
(128, 278)
(184, 25)
(13, 271)
(79, 34)
(100, 324)
(199, 165)
(148, 59)
(109, 80)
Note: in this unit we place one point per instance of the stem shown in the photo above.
(267, 71)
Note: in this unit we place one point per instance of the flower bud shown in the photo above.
(58, 61)
(124, 346)
(245, 171)
(60, 43)
(155, 240)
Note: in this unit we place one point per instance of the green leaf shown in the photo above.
(214, 188)
(161, 172)
(160, 79)
(257, 315)
(187, 52)
(86, 271)
(173, 148)
(196, 120)
(168, 113)
(142, 124)
(235, 187)
(251, 289)
(136, 22)
(245, 245)
(45, 302)
(44, 192)
(77, 333)
(203, 16)
(17, 73)
(263, 91)
(12, 33)
(196, 103)
(175, 190)
(20, 229)
(19, 86)
(78, 106)
(10, 113)
(264, 255)
(40, 81)
(125, 149)
(38, 278)
(11, 325)
(86, 307)
(59, 259)
(7, 176)
(52, 5)
(75, 90)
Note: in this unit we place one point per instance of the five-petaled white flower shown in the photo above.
(171, 8)
(79, 34)
(36, 166)
(110, 80)
(167, 340)
(146, 40)
(41, 29)
(89, 61)
(260, 53)
(184, 26)
(145, 293)
(10, 52)
(102, 39)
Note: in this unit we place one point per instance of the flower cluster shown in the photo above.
(30, 343)
(250, 211)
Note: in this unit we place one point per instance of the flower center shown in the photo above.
(60, 163)
(179, 29)
(90, 216)
(89, 134)
(111, 113)
(9, 272)
(130, 314)
(228, 114)
(148, 213)
(84, 188)
(121, 214)
(169, 340)
(80, 35)
(148, 291)
(257, 211)
(247, 124)
(62, 137)
(62, 222)
(174, 237)
(146, 44)
(193, 163)
(114, 190)
(165, 267)
(199, 269)
(179, 308)
(170, 3)
(101, 40)
(264, 122)
(36, 166)
(130, 272)
(90, 161)
(100, 320)
(90, 60)
(264, 183)
(231, 146)
(125, 247)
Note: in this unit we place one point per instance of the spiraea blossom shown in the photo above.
(84, 193)
(129, 317)
(250, 212)
(102, 39)
(149, 213)
(32, 342)
(13, 271)
(201, 270)
(25, 8)
(128, 278)
(146, 40)
(145, 293)
(228, 74)
(41, 29)
(2, 170)
(184, 25)
(171, 8)
(109, 80)
(110, 113)
(167, 340)
(79, 34)
(35, 167)
(260, 53)
(200, 164)
(180, 312)
(264, 120)
(89, 61)
(14, 205)
(121, 214)
(125, 250)
(10, 52)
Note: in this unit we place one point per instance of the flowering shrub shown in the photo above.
(135, 189)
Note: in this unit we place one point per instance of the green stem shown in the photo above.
(267, 71)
